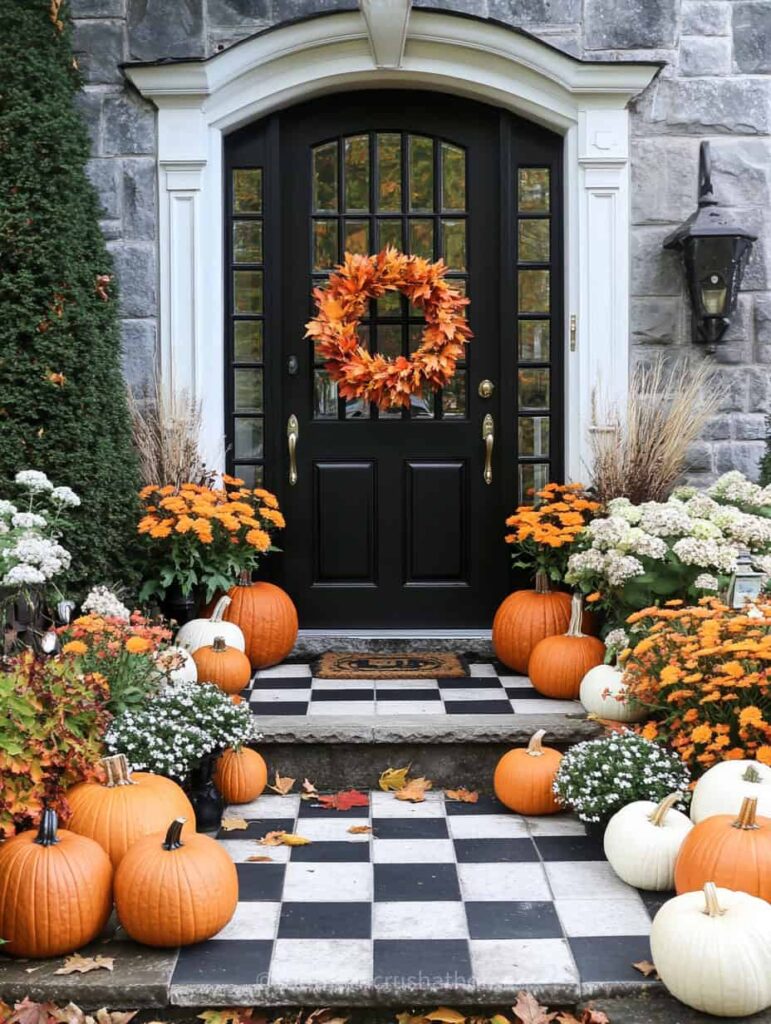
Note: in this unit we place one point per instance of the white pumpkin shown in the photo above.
(712, 950)
(203, 632)
(607, 679)
(722, 789)
(642, 841)
(176, 664)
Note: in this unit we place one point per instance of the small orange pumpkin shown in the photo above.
(55, 890)
(268, 619)
(226, 667)
(525, 618)
(559, 663)
(733, 852)
(524, 778)
(174, 893)
(241, 775)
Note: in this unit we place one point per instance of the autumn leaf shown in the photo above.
(415, 790)
(234, 1015)
(282, 785)
(446, 1016)
(309, 790)
(393, 778)
(360, 830)
(27, 1012)
(645, 967)
(591, 1016)
(282, 838)
(291, 839)
(77, 964)
(104, 1016)
(234, 824)
(259, 859)
(344, 800)
(465, 796)
(407, 1018)
(529, 1011)
(57, 379)
(498, 1018)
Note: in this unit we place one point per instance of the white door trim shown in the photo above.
(200, 101)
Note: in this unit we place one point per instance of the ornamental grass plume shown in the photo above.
(643, 454)
(165, 429)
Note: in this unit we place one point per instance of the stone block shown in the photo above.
(139, 199)
(699, 457)
(734, 389)
(568, 42)
(705, 55)
(706, 18)
(129, 126)
(98, 8)
(763, 328)
(634, 24)
(742, 455)
(165, 28)
(664, 179)
(538, 12)
(736, 345)
(752, 37)
(656, 320)
(89, 105)
(741, 171)
(718, 428)
(760, 389)
(654, 270)
(104, 176)
(98, 48)
(699, 106)
(239, 13)
(136, 266)
(139, 354)
(289, 10)
(111, 229)
(750, 427)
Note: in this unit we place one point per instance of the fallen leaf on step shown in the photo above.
(325, 1015)
(407, 1018)
(344, 801)
(27, 1012)
(282, 785)
(236, 1015)
(234, 824)
(104, 1016)
(360, 830)
(77, 964)
(465, 796)
(282, 838)
(529, 1011)
(30, 970)
(71, 1014)
(567, 1018)
(291, 839)
(645, 967)
(393, 778)
(446, 1015)
(414, 791)
(309, 790)
(591, 1016)
(498, 1018)
(259, 859)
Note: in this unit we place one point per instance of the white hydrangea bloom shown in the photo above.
(623, 508)
(735, 487)
(620, 568)
(65, 496)
(28, 521)
(665, 519)
(703, 529)
(22, 574)
(7, 509)
(617, 639)
(708, 554)
(705, 581)
(33, 480)
(102, 601)
(762, 563)
(641, 543)
(608, 533)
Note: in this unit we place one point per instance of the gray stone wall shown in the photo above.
(716, 85)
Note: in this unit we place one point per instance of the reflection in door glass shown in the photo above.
(357, 174)
(421, 174)
(325, 178)
(324, 396)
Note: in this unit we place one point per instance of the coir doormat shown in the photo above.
(415, 665)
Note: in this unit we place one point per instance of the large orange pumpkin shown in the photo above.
(174, 892)
(559, 663)
(524, 778)
(241, 775)
(268, 619)
(125, 807)
(55, 890)
(525, 618)
(226, 667)
(733, 852)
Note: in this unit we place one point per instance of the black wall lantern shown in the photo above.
(714, 252)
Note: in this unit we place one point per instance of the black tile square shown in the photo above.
(494, 851)
(569, 847)
(309, 809)
(410, 963)
(258, 828)
(610, 957)
(654, 901)
(503, 670)
(325, 921)
(279, 707)
(407, 693)
(261, 883)
(416, 882)
(523, 693)
(468, 681)
(478, 707)
(514, 920)
(332, 851)
(224, 961)
(409, 828)
(282, 683)
(343, 694)
(484, 805)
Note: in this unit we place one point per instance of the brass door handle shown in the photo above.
(488, 436)
(292, 433)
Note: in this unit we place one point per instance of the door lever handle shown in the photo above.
(292, 433)
(488, 436)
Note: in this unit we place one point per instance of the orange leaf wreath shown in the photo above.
(342, 303)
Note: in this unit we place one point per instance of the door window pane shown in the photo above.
(534, 241)
(247, 190)
(454, 397)
(389, 168)
(324, 396)
(357, 174)
(421, 152)
(534, 190)
(251, 475)
(389, 340)
(356, 409)
(247, 291)
(533, 291)
(248, 390)
(325, 254)
(325, 178)
(390, 232)
(534, 340)
(247, 241)
(533, 388)
(363, 333)
(247, 439)
(422, 238)
(390, 304)
(533, 435)
(533, 476)
(453, 178)
(247, 341)
(357, 236)
(422, 405)
(454, 244)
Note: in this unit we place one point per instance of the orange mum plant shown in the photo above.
(704, 674)
(200, 537)
(344, 301)
(544, 533)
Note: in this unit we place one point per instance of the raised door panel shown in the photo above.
(345, 523)
(436, 519)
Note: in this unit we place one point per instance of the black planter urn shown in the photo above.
(208, 803)
(180, 606)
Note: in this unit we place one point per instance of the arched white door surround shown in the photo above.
(200, 101)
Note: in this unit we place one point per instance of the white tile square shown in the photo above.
(343, 684)
(486, 826)
(407, 684)
(362, 708)
(385, 805)
(284, 672)
(606, 917)
(410, 707)
(413, 851)
(474, 693)
(269, 805)
(481, 670)
(279, 696)
(522, 961)
(440, 920)
(503, 882)
(547, 707)
(252, 921)
(555, 825)
(593, 879)
(519, 681)
(333, 829)
(317, 882)
(240, 850)
(306, 962)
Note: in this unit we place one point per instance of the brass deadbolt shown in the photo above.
(486, 388)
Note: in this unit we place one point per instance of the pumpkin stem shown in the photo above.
(173, 840)
(46, 833)
(752, 774)
(219, 609)
(117, 771)
(576, 616)
(245, 578)
(219, 645)
(666, 805)
(542, 583)
(535, 747)
(747, 814)
(713, 908)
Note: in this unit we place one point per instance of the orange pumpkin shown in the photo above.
(268, 619)
(559, 663)
(241, 775)
(525, 618)
(524, 778)
(125, 807)
(226, 667)
(55, 890)
(170, 892)
(733, 852)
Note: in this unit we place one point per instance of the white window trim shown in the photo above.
(199, 102)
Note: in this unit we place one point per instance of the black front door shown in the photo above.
(393, 519)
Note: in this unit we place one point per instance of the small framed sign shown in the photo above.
(746, 584)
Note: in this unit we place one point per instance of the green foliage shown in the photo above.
(765, 462)
(52, 718)
(62, 398)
